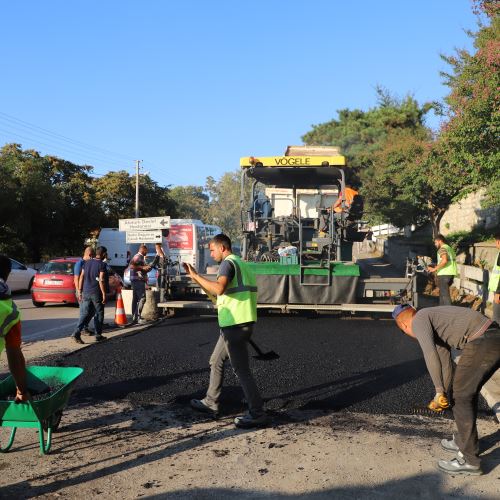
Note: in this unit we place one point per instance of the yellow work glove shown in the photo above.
(439, 403)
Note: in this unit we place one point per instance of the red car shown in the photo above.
(54, 283)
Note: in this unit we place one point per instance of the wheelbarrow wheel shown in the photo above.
(55, 420)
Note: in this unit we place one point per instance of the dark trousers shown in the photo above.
(138, 298)
(444, 283)
(91, 305)
(478, 362)
(496, 313)
(233, 345)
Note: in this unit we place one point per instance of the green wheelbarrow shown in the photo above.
(50, 387)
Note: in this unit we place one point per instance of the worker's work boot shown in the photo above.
(449, 445)
(459, 465)
(77, 339)
(248, 421)
(203, 406)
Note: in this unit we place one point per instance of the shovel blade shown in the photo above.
(267, 356)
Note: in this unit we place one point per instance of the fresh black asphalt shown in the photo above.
(326, 363)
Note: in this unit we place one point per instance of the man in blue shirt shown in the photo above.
(92, 289)
(88, 253)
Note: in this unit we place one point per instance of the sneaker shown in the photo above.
(459, 465)
(203, 406)
(100, 338)
(78, 339)
(449, 445)
(249, 421)
(142, 321)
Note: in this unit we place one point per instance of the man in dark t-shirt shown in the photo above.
(92, 290)
(438, 330)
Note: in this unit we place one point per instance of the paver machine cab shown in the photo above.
(288, 208)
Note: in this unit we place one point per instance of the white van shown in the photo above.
(188, 241)
(116, 243)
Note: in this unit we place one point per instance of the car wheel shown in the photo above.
(37, 304)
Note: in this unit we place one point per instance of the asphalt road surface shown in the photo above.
(326, 364)
(52, 321)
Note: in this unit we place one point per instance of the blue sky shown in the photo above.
(190, 86)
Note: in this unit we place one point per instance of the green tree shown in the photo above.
(191, 202)
(224, 209)
(360, 134)
(78, 208)
(472, 133)
(115, 193)
(412, 181)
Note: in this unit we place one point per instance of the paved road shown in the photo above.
(326, 363)
(52, 321)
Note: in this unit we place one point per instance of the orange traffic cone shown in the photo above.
(120, 316)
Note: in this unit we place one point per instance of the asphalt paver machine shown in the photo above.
(298, 243)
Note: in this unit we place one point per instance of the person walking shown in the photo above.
(10, 333)
(92, 287)
(494, 284)
(235, 292)
(138, 278)
(445, 270)
(88, 253)
(438, 330)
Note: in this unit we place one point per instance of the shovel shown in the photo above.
(263, 356)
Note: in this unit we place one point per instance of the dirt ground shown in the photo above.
(115, 451)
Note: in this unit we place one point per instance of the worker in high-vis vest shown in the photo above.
(494, 284)
(445, 270)
(10, 332)
(235, 293)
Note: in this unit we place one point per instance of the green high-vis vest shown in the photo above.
(494, 276)
(9, 316)
(238, 304)
(451, 266)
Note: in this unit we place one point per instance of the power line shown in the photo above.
(37, 143)
(79, 144)
(53, 140)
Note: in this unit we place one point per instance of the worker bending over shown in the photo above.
(10, 332)
(438, 330)
(236, 296)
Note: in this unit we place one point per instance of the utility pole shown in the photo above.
(137, 167)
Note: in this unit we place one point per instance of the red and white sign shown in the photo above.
(181, 237)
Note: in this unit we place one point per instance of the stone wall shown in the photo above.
(466, 214)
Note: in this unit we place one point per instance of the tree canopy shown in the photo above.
(411, 174)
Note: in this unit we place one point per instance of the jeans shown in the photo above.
(478, 362)
(138, 298)
(233, 345)
(444, 283)
(91, 305)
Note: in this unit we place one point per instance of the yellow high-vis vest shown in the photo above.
(494, 276)
(238, 304)
(9, 316)
(451, 266)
